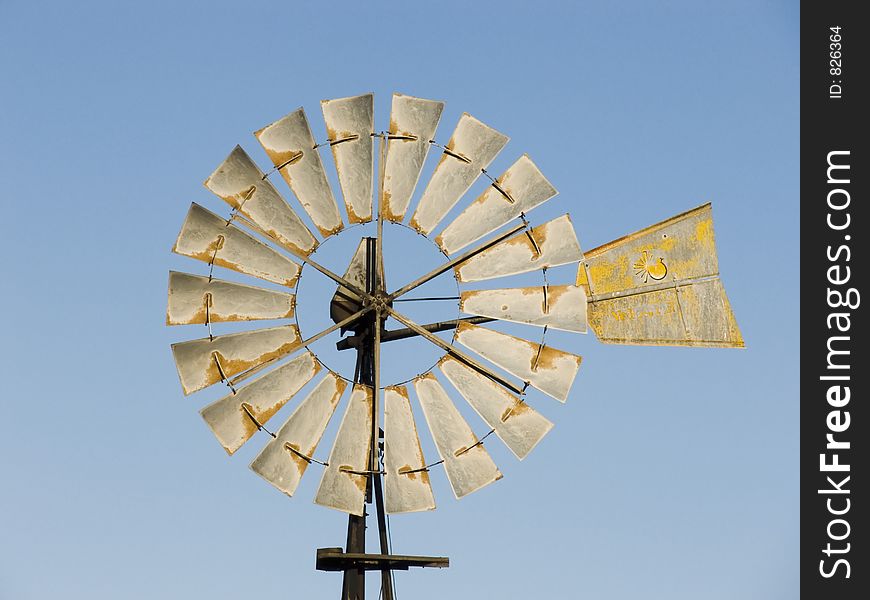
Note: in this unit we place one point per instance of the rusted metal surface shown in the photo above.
(231, 423)
(291, 148)
(660, 286)
(203, 362)
(466, 462)
(471, 148)
(516, 423)
(207, 237)
(349, 125)
(696, 313)
(413, 122)
(547, 369)
(194, 299)
(407, 485)
(548, 245)
(241, 184)
(526, 186)
(283, 461)
(557, 306)
(680, 248)
(343, 485)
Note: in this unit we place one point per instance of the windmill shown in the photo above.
(658, 286)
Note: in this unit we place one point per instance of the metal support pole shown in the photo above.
(354, 583)
(368, 373)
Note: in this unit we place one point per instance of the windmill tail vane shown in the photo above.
(658, 286)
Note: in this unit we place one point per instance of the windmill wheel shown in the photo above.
(657, 286)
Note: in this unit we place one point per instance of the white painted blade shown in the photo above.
(478, 144)
(354, 158)
(413, 122)
(241, 184)
(547, 369)
(207, 237)
(192, 298)
(560, 307)
(290, 146)
(340, 488)
(467, 464)
(264, 396)
(516, 423)
(404, 491)
(555, 243)
(302, 432)
(526, 186)
(197, 360)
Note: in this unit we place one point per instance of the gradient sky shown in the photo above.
(671, 473)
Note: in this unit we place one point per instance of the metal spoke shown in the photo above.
(354, 317)
(338, 279)
(454, 262)
(401, 334)
(379, 249)
(380, 289)
(429, 299)
(453, 351)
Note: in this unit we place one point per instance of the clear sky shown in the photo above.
(671, 473)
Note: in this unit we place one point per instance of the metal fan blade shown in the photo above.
(516, 423)
(520, 189)
(194, 299)
(406, 483)
(203, 362)
(291, 148)
(558, 306)
(548, 245)
(350, 123)
(343, 485)
(228, 418)
(660, 286)
(284, 459)
(471, 148)
(466, 462)
(547, 369)
(241, 184)
(413, 122)
(207, 237)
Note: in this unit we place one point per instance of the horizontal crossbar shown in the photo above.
(336, 559)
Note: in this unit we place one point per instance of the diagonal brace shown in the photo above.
(454, 262)
(455, 352)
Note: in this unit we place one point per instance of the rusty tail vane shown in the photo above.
(660, 286)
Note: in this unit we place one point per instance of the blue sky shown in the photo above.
(671, 473)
